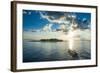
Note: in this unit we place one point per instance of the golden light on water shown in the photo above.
(71, 39)
(71, 44)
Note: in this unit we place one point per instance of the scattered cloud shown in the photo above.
(64, 21)
(78, 35)
(47, 27)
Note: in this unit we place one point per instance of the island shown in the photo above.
(51, 40)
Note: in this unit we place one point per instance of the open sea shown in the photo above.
(55, 51)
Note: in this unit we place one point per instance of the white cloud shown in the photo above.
(47, 27)
(48, 33)
(85, 34)
(61, 20)
(84, 19)
(24, 12)
(78, 35)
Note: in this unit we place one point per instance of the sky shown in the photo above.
(34, 20)
(50, 21)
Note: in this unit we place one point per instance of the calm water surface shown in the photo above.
(54, 51)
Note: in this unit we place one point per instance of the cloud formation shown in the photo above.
(51, 19)
(64, 20)
(61, 21)
(78, 35)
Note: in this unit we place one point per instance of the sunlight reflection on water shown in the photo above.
(52, 51)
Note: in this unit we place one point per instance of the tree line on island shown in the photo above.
(47, 40)
(51, 40)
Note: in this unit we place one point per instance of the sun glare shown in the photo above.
(71, 39)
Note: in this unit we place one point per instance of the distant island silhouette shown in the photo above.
(47, 40)
(51, 40)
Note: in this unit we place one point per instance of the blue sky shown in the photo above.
(32, 19)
